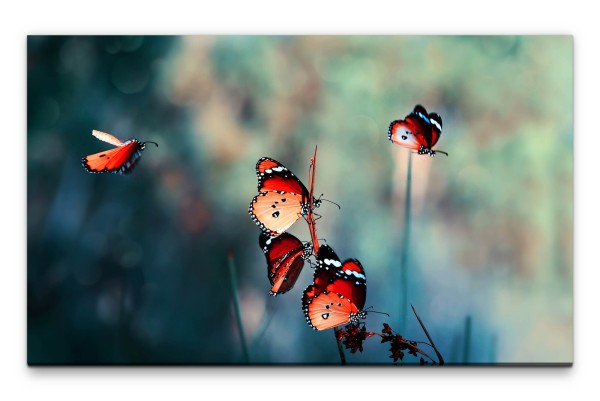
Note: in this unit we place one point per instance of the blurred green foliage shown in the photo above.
(133, 269)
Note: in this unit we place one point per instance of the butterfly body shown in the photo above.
(337, 294)
(120, 160)
(285, 255)
(281, 200)
(419, 131)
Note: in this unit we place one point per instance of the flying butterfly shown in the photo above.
(285, 256)
(418, 131)
(282, 198)
(338, 292)
(120, 160)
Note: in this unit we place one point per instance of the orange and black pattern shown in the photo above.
(282, 198)
(120, 160)
(337, 294)
(285, 256)
(418, 131)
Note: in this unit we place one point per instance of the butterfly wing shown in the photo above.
(282, 198)
(329, 309)
(429, 125)
(265, 164)
(120, 160)
(285, 256)
(404, 133)
(338, 292)
(274, 176)
(275, 212)
(327, 264)
(328, 260)
(436, 131)
(351, 282)
(418, 130)
(103, 136)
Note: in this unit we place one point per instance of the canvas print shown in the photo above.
(336, 200)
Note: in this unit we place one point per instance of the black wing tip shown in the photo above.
(325, 250)
(419, 108)
(436, 117)
(86, 166)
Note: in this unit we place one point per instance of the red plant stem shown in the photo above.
(340, 346)
(310, 218)
(420, 351)
(440, 358)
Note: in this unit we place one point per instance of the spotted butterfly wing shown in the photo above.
(337, 294)
(274, 176)
(120, 160)
(281, 200)
(285, 256)
(327, 264)
(418, 131)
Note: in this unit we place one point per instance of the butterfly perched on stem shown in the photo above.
(120, 160)
(285, 256)
(281, 200)
(418, 131)
(338, 292)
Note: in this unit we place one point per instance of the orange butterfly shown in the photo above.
(285, 258)
(419, 131)
(338, 292)
(281, 200)
(120, 160)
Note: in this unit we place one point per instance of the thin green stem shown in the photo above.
(467, 340)
(264, 325)
(405, 248)
(236, 301)
(339, 345)
(493, 346)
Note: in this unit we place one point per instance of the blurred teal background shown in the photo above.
(133, 269)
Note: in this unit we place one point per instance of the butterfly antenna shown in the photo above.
(339, 207)
(374, 311)
(151, 142)
(441, 151)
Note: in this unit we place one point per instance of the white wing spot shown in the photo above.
(354, 273)
(334, 262)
